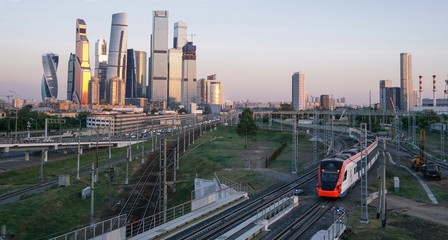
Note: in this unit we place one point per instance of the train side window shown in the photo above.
(345, 175)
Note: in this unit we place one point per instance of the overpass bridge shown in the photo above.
(45, 147)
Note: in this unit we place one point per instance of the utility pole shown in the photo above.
(364, 193)
(295, 151)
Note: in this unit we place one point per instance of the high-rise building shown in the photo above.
(202, 91)
(384, 85)
(298, 91)
(101, 66)
(394, 96)
(131, 80)
(49, 88)
(94, 91)
(180, 34)
(100, 55)
(116, 91)
(136, 74)
(175, 64)
(71, 76)
(406, 81)
(325, 101)
(214, 92)
(158, 79)
(82, 65)
(174, 76)
(117, 58)
(189, 81)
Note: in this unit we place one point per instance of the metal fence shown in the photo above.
(95, 230)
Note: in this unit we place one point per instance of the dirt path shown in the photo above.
(427, 211)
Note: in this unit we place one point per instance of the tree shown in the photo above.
(246, 126)
(286, 107)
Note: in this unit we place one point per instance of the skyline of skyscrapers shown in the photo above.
(158, 81)
(116, 69)
(82, 64)
(168, 78)
(49, 86)
(298, 91)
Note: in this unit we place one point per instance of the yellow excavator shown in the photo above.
(419, 160)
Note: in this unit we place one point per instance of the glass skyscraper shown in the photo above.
(158, 79)
(101, 66)
(71, 76)
(82, 65)
(189, 81)
(136, 74)
(180, 34)
(174, 76)
(49, 88)
(117, 58)
(298, 91)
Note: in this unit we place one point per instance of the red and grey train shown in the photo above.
(338, 173)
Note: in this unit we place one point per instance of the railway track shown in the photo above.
(39, 187)
(218, 225)
(302, 225)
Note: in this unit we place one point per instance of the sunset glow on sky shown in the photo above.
(343, 47)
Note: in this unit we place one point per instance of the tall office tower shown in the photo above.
(141, 72)
(214, 90)
(82, 65)
(94, 91)
(202, 91)
(394, 96)
(189, 81)
(180, 34)
(101, 66)
(117, 57)
(406, 80)
(298, 91)
(71, 76)
(384, 85)
(136, 74)
(100, 55)
(131, 80)
(49, 88)
(174, 76)
(116, 91)
(158, 78)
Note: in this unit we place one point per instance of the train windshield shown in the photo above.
(330, 176)
(330, 173)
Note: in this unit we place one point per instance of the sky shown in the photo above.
(253, 46)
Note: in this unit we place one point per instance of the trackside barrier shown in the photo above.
(272, 209)
(335, 230)
(158, 219)
(96, 230)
